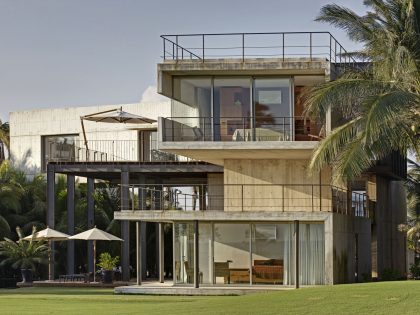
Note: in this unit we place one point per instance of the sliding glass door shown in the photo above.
(273, 109)
(250, 253)
(231, 108)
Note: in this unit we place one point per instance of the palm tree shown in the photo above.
(379, 102)
(24, 255)
(413, 208)
(10, 194)
(4, 139)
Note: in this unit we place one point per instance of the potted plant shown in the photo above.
(24, 255)
(107, 263)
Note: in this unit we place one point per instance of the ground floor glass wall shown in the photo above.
(248, 253)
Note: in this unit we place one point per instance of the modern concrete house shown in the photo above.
(224, 173)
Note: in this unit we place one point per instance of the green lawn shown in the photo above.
(369, 298)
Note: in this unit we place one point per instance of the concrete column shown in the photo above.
(90, 220)
(196, 256)
(70, 223)
(296, 245)
(125, 226)
(138, 252)
(161, 253)
(51, 212)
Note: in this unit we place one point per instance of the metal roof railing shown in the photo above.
(283, 45)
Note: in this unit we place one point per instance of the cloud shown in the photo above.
(151, 95)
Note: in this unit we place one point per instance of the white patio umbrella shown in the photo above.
(114, 116)
(50, 235)
(94, 235)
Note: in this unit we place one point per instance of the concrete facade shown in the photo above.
(233, 182)
(28, 127)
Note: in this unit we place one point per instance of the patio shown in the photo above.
(167, 288)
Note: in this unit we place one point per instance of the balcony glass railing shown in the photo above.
(239, 129)
(237, 197)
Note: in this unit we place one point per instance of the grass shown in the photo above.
(402, 297)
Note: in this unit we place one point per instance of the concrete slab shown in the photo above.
(164, 289)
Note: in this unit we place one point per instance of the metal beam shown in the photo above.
(70, 223)
(51, 212)
(125, 225)
(90, 220)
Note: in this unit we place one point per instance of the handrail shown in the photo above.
(242, 197)
(336, 54)
(240, 128)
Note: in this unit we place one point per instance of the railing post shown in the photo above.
(283, 45)
(320, 198)
(173, 51)
(176, 41)
(310, 45)
(242, 199)
(330, 48)
(164, 48)
(243, 47)
(282, 196)
(312, 187)
(203, 47)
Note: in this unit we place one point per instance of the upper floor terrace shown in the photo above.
(227, 89)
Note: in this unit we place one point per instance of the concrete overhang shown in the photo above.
(215, 215)
(217, 152)
(250, 66)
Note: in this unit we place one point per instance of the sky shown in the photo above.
(57, 53)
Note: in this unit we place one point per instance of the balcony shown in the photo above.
(76, 151)
(239, 129)
(247, 198)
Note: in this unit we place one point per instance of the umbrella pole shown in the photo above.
(49, 261)
(84, 136)
(94, 261)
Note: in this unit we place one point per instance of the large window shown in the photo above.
(231, 253)
(184, 253)
(273, 110)
(231, 109)
(58, 148)
(248, 253)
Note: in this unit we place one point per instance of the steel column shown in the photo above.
(161, 252)
(70, 223)
(196, 262)
(125, 225)
(51, 212)
(296, 247)
(139, 267)
(90, 220)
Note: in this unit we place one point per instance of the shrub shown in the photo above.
(107, 262)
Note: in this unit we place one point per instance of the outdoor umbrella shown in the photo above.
(50, 235)
(114, 116)
(94, 235)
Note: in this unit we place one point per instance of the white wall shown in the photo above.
(27, 127)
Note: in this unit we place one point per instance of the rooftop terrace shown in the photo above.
(279, 45)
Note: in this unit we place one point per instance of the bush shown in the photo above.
(107, 262)
(390, 274)
(415, 271)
